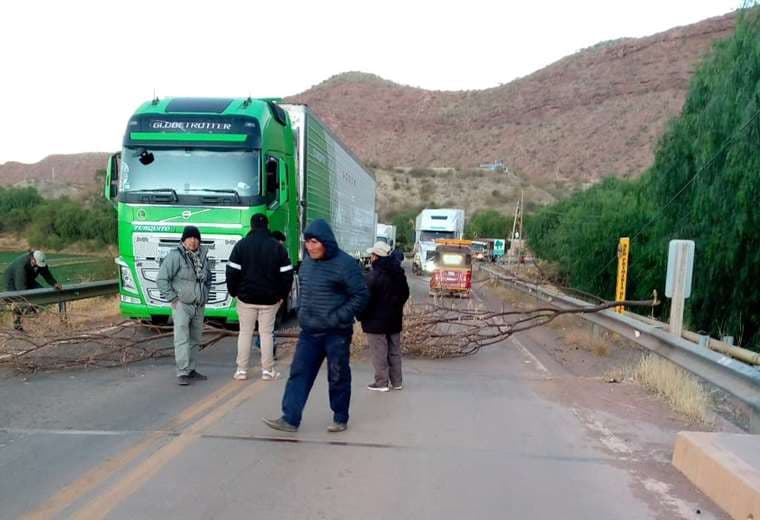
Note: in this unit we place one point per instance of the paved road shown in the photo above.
(466, 438)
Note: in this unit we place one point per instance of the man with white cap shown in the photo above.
(382, 318)
(21, 276)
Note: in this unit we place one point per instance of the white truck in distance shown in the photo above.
(430, 225)
(386, 233)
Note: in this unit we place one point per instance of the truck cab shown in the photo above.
(432, 225)
(214, 163)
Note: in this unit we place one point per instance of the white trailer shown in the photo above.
(332, 183)
(386, 233)
(430, 225)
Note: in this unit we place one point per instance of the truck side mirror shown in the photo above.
(112, 178)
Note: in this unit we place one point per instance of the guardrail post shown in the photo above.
(62, 312)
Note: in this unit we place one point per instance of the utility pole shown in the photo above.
(522, 202)
(515, 238)
(514, 220)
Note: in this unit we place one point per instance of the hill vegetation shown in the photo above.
(56, 223)
(704, 186)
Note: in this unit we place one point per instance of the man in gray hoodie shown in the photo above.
(184, 279)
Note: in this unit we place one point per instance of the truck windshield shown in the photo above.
(429, 236)
(191, 172)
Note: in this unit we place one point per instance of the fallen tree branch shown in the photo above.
(441, 329)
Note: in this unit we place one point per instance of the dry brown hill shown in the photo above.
(57, 175)
(595, 113)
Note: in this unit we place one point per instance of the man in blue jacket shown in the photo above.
(333, 292)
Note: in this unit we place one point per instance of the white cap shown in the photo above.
(40, 258)
(380, 249)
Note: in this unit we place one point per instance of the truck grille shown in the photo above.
(151, 248)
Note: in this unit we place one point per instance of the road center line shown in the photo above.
(97, 475)
(102, 505)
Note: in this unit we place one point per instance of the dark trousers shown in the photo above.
(386, 358)
(24, 309)
(311, 350)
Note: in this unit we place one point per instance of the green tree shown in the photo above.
(488, 223)
(704, 185)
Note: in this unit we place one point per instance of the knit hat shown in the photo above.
(259, 221)
(190, 231)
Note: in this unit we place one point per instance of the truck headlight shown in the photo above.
(430, 266)
(127, 282)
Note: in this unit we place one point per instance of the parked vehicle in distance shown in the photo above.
(432, 224)
(452, 270)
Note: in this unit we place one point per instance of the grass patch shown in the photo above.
(681, 390)
(581, 336)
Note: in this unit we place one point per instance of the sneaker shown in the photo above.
(337, 427)
(397, 387)
(280, 424)
(378, 388)
(270, 375)
(183, 380)
(240, 375)
(196, 375)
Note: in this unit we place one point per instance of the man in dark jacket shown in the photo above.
(184, 279)
(282, 239)
(259, 275)
(21, 275)
(333, 292)
(382, 319)
(398, 254)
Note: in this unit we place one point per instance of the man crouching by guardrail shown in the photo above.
(21, 276)
(184, 279)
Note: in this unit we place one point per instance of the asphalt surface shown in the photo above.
(466, 438)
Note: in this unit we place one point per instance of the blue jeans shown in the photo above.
(311, 350)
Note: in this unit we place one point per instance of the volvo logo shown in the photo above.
(187, 214)
(141, 215)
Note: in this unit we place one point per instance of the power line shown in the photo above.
(709, 163)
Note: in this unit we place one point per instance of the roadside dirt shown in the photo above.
(589, 371)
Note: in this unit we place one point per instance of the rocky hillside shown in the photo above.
(595, 113)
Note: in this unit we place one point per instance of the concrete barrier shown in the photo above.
(725, 467)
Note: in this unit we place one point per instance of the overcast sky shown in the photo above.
(73, 71)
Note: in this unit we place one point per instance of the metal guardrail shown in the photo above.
(734, 377)
(45, 296)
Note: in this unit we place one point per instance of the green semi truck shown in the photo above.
(214, 163)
